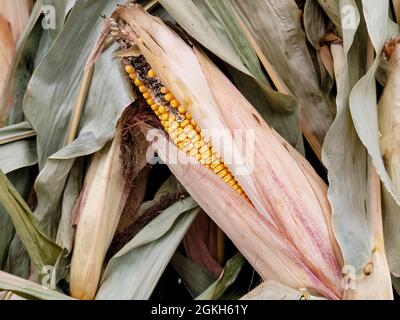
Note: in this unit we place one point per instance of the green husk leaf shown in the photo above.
(22, 180)
(135, 270)
(61, 8)
(16, 132)
(195, 278)
(227, 278)
(29, 289)
(41, 250)
(17, 155)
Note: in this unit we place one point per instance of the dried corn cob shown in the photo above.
(176, 120)
(284, 230)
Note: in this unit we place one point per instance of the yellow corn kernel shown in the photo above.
(219, 168)
(232, 182)
(143, 89)
(164, 90)
(204, 148)
(182, 109)
(169, 97)
(174, 103)
(147, 95)
(150, 102)
(227, 178)
(151, 74)
(138, 83)
(223, 173)
(196, 138)
(155, 107)
(163, 116)
(215, 164)
(129, 69)
(193, 123)
(188, 116)
(189, 128)
(162, 109)
(185, 123)
(132, 76)
(174, 125)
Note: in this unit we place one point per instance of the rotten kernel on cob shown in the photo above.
(176, 120)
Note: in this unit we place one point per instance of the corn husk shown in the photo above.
(273, 290)
(98, 213)
(285, 235)
(389, 118)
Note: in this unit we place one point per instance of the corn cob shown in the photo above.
(177, 121)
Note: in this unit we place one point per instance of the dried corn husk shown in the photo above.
(389, 119)
(388, 116)
(98, 212)
(285, 235)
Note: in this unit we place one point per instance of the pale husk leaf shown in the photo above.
(273, 290)
(99, 210)
(388, 115)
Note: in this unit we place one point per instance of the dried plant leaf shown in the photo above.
(41, 250)
(282, 41)
(52, 94)
(29, 289)
(195, 278)
(135, 270)
(388, 113)
(226, 279)
(358, 233)
(196, 243)
(16, 132)
(22, 67)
